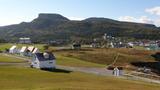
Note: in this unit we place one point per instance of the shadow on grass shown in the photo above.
(57, 70)
(155, 66)
(156, 56)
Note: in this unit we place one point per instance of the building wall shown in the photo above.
(43, 64)
(13, 51)
(24, 41)
(47, 64)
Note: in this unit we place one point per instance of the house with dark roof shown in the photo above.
(76, 46)
(43, 60)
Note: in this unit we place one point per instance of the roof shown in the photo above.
(23, 49)
(41, 57)
(13, 47)
(31, 48)
(24, 38)
(35, 50)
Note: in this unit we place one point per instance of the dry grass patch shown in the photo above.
(107, 56)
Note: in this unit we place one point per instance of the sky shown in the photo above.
(141, 11)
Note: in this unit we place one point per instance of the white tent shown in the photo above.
(13, 49)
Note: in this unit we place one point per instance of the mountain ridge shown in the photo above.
(55, 26)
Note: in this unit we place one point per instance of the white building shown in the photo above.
(43, 61)
(95, 45)
(25, 40)
(13, 49)
(30, 50)
(111, 45)
(105, 36)
(23, 51)
(117, 71)
(130, 44)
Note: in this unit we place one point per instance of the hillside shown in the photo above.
(54, 26)
(16, 76)
(127, 58)
(107, 56)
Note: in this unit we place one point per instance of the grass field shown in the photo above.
(107, 56)
(14, 78)
(102, 57)
(3, 46)
(61, 60)
(70, 61)
(139, 47)
(5, 59)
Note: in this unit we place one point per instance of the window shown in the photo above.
(50, 62)
(35, 62)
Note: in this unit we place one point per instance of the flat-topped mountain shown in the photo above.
(55, 26)
(51, 17)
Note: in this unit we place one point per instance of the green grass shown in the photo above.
(3, 46)
(5, 59)
(69, 61)
(14, 78)
(61, 60)
(139, 47)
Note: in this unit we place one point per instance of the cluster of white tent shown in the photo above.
(24, 51)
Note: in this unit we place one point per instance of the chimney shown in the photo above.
(46, 55)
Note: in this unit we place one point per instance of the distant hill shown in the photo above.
(54, 26)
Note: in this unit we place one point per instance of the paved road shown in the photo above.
(105, 72)
(98, 71)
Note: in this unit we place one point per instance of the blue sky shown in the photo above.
(144, 11)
